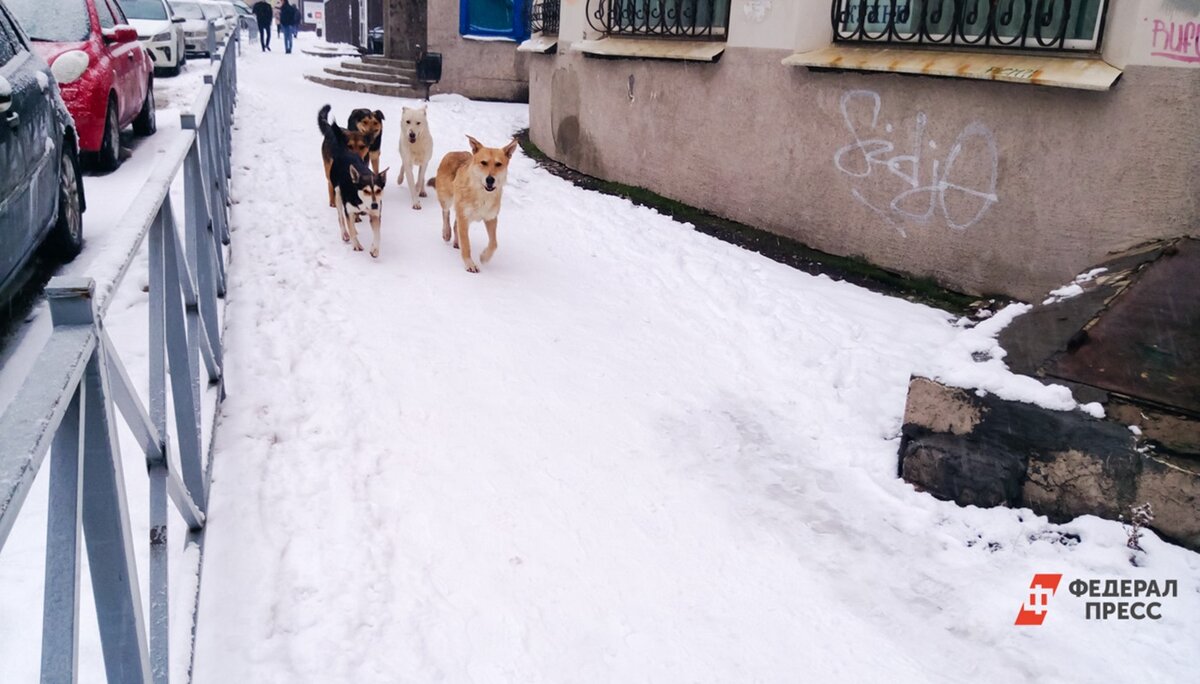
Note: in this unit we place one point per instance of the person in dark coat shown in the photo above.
(289, 18)
(263, 12)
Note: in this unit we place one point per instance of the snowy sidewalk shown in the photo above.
(623, 452)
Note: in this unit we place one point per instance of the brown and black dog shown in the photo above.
(356, 142)
(370, 124)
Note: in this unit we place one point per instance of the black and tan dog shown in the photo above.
(370, 124)
(357, 190)
(355, 141)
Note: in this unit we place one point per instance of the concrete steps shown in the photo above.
(373, 74)
(362, 86)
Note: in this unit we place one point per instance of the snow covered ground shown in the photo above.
(623, 452)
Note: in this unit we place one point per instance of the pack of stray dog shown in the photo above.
(469, 184)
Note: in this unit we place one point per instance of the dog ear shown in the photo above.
(382, 177)
(475, 145)
(353, 174)
(510, 148)
(379, 115)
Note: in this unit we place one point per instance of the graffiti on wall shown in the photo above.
(1175, 40)
(906, 178)
(756, 10)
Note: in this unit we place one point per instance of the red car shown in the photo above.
(106, 78)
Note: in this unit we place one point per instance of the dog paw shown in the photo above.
(487, 255)
(454, 244)
(375, 252)
(423, 194)
(358, 247)
(471, 267)
(417, 206)
(345, 237)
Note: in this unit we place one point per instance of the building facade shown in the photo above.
(997, 147)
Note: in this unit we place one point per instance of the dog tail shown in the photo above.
(323, 119)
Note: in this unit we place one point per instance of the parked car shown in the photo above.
(160, 31)
(196, 16)
(113, 84)
(41, 190)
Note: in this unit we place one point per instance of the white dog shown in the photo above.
(416, 149)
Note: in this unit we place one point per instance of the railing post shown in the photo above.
(211, 41)
(160, 613)
(60, 622)
(105, 508)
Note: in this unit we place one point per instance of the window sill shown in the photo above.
(650, 48)
(1083, 73)
(488, 39)
(539, 44)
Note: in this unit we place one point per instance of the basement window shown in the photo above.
(493, 19)
(1066, 25)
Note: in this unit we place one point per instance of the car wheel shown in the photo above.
(146, 122)
(109, 156)
(66, 239)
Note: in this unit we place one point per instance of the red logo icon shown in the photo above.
(1033, 611)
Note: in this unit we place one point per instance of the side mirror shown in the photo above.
(120, 34)
(177, 20)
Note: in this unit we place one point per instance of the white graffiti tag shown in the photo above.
(961, 189)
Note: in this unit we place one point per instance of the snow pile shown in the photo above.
(623, 452)
(1075, 287)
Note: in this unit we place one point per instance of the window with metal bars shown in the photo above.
(543, 17)
(697, 19)
(994, 24)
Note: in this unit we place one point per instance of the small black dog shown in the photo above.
(357, 189)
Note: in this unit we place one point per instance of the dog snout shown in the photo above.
(374, 205)
(490, 180)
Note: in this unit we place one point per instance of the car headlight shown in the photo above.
(69, 66)
(161, 37)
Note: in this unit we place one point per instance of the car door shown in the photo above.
(122, 57)
(27, 179)
(139, 68)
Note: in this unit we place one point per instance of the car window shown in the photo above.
(107, 18)
(118, 11)
(60, 21)
(144, 9)
(188, 10)
(10, 45)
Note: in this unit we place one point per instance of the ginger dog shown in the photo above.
(471, 184)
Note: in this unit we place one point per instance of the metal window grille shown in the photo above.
(543, 17)
(1012, 24)
(704, 19)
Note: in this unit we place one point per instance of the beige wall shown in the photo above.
(987, 187)
(482, 70)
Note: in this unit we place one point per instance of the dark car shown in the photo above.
(41, 191)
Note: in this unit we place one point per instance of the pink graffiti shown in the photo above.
(1180, 42)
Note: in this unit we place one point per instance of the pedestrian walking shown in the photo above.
(289, 17)
(263, 12)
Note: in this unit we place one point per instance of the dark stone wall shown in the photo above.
(405, 28)
(985, 451)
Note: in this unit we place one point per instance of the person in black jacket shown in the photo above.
(289, 18)
(263, 12)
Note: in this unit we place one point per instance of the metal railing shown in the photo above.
(543, 17)
(68, 403)
(995, 24)
(699, 19)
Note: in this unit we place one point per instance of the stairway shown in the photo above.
(372, 74)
